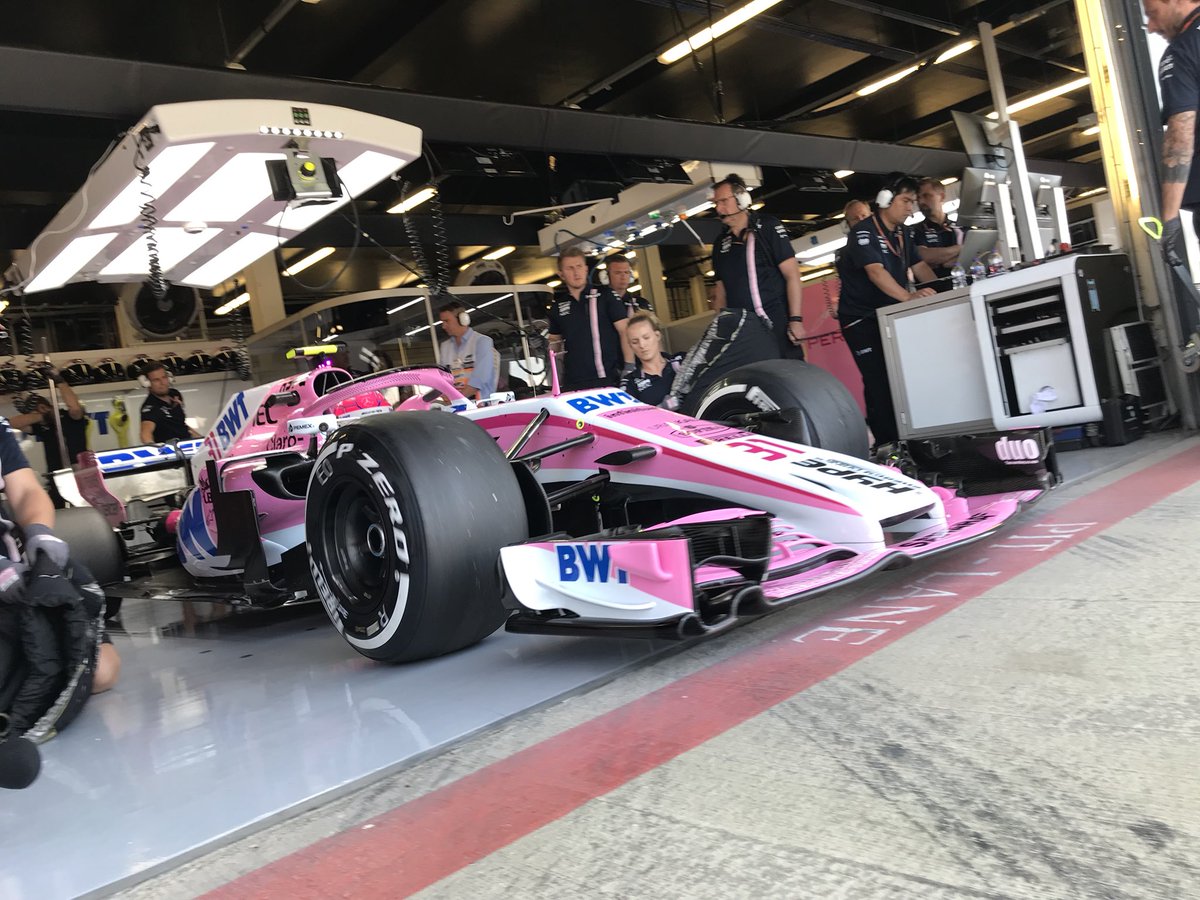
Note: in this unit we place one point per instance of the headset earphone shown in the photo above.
(741, 193)
(464, 318)
(887, 193)
(144, 380)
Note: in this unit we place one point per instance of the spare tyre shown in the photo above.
(405, 517)
(802, 403)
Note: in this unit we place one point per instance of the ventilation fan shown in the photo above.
(481, 273)
(162, 317)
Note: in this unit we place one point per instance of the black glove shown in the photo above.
(48, 585)
(40, 539)
(1174, 250)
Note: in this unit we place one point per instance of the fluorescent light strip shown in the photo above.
(412, 201)
(230, 192)
(724, 25)
(69, 262)
(230, 305)
(843, 173)
(498, 253)
(956, 50)
(949, 180)
(634, 288)
(884, 82)
(231, 260)
(402, 306)
(819, 249)
(174, 246)
(416, 331)
(359, 175)
(1088, 132)
(497, 300)
(311, 260)
(696, 210)
(553, 283)
(821, 260)
(1044, 96)
(165, 169)
(819, 273)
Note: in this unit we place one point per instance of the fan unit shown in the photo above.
(481, 273)
(166, 316)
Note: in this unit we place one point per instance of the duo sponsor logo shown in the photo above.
(1017, 450)
(588, 562)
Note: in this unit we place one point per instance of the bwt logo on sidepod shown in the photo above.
(589, 562)
(593, 402)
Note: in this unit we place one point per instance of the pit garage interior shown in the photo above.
(1015, 718)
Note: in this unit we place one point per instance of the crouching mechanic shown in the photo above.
(52, 653)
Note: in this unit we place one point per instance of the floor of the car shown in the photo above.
(176, 584)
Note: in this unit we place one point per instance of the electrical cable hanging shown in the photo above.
(317, 288)
(148, 213)
(432, 281)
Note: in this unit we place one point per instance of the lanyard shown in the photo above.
(883, 234)
(1187, 23)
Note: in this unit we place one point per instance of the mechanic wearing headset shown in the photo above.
(879, 253)
(590, 323)
(937, 238)
(755, 266)
(162, 410)
(469, 355)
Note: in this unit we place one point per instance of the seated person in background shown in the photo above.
(937, 238)
(469, 355)
(653, 371)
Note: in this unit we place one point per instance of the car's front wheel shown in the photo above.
(405, 518)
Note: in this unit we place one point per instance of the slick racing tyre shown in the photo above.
(92, 541)
(405, 518)
(806, 405)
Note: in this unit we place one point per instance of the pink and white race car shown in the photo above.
(423, 528)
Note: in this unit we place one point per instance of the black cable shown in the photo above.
(317, 288)
(718, 88)
(392, 256)
(144, 142)
(696, 64)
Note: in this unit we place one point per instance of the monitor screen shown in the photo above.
(977, 196)
(987, 143)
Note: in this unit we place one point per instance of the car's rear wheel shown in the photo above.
(800, 402)
(93, 542)
(406, 515)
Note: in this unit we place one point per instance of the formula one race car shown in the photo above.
(424, 525)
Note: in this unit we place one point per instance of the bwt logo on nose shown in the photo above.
(589, 562)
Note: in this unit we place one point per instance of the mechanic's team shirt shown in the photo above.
(12, 457)
(74, 430)
(652, 389)
(1179, 80)
(588, 328)
(634, 304)
(871, 242)
(747, 265)
(472, 362)
(167, 416)
(934, 234)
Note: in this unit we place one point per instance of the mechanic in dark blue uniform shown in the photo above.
(879, 254)
(1179, 80)
(937, 238)
(755, 266)
(590, 321)
(852, 213)
(653, 372)
(163, 416)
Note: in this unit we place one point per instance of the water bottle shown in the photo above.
(978, 270)
(995, 263)
(958, 276)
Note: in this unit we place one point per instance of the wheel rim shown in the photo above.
(359, 553)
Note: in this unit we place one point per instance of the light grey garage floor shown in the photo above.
(221, 727)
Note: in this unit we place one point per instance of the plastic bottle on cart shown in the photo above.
(958, 276)
(978, 270)
(995, 263)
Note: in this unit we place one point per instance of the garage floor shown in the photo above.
(1016, 719)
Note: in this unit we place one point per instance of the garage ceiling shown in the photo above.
(519, 69)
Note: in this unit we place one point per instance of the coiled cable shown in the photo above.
(148, 212)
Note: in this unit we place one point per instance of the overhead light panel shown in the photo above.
(553, 283)
(1050, 94)
(230, 305)
(723, 25)
(884, 82)
(1092, 193)
(956, 50)
(311, 260)
(412, 201)
(757, 206)
(950, 179)
(632, 254)
(1088, 132)
(821, 249)
(207, 182)
(843, 173)
(499, 253)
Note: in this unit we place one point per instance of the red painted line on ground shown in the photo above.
(430, 838)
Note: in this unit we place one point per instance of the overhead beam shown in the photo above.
(123, 90)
